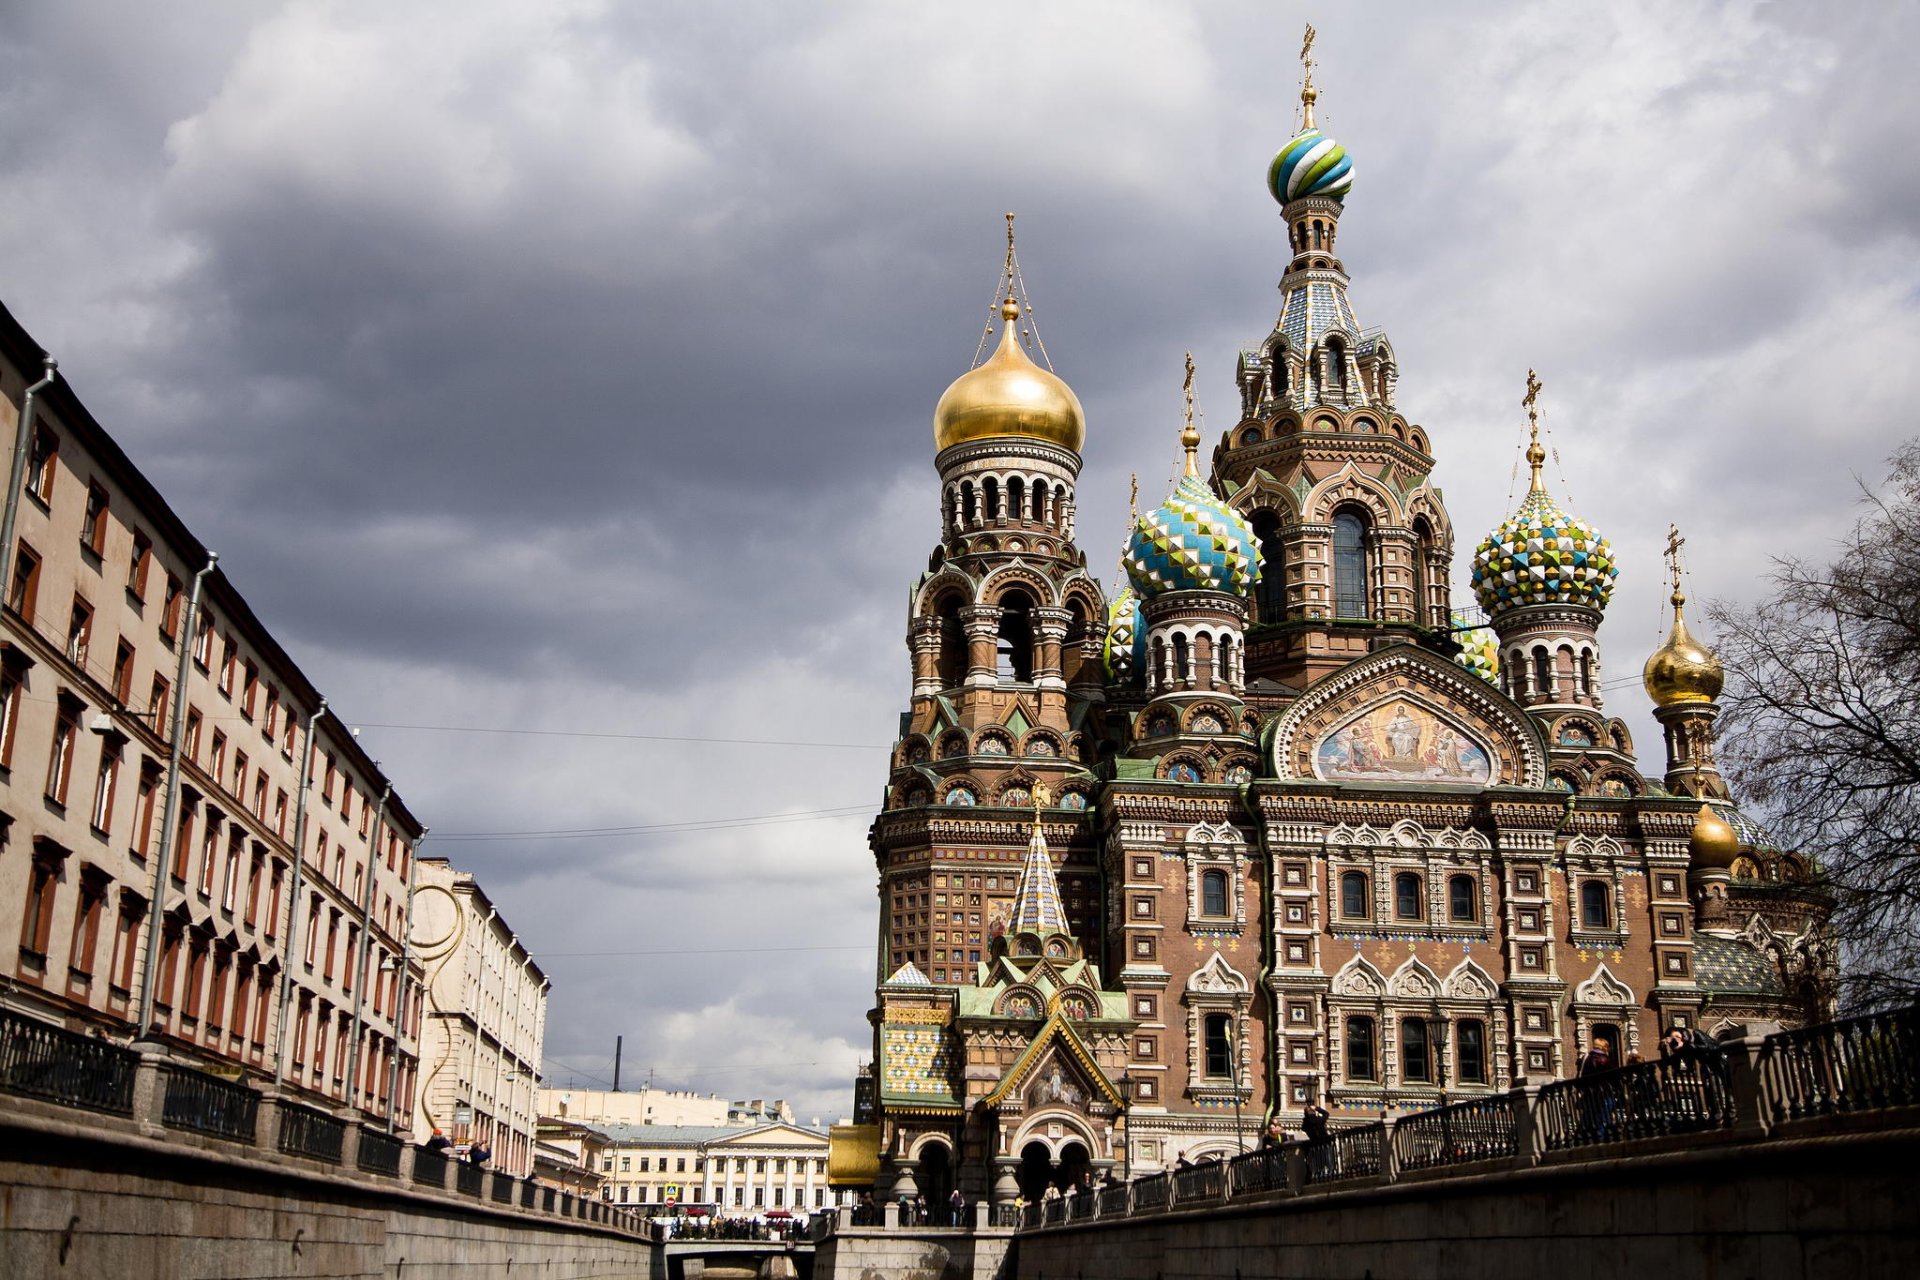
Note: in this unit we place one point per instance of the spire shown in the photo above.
(1536, 455)
(1190, 435)
(1308, 94)
(1036, 902)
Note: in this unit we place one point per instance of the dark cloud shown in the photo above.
(570, 366)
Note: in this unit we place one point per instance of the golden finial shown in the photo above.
(1536, 456)
(1041, 798)
(1308, 94)
(1674, 543)
(1190, 434)
(1133, 499)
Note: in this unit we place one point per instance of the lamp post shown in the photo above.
(1234, 1042)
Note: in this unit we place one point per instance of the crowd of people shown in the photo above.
(707, 1228)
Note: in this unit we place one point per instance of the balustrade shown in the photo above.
(209, 1104)
(1859, 1064)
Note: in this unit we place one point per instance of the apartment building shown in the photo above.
(270, 853)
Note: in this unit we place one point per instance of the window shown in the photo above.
(1471, 1058)
(1406, 896)
(36, 921)
(93, 528)
(1461, 905)
(1359, 1048)
(104, 785)
(126, 941)
(66, 737)
(1213, 893)
(157, 704)
(203, 641)
(249, 689)
(170, 610)
(9, 714)
(79, 632)
(1219, 1046)
(1349, 565)
(123, 672)
(1416, 1056)
(217, 758)
(138, 563)
(229, 663)
(1596, 912)
(143, 810)
(1353, 895)
(42, 464)
(192, 743)
(25, 588)
(626, 1165)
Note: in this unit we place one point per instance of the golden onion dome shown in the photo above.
(1714, 843)
(1682, 670)
(1009, 395)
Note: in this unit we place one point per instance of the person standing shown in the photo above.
(956, 1208)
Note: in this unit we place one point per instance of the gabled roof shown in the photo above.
(1056, 1030)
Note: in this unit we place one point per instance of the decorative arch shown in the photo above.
(1603, 988)
(1468, 981)
(1218, 978)
(1359, 979)
(949, 579)
(917, 1148)
(1351, 485)
(1414, 981)
(1024, 576)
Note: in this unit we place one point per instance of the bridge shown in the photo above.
(1794, 1157)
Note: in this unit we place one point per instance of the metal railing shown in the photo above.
(1115, 1200)
(1477, 1129)
(209, 1104)
(1684, 1093)
(40, 1060)
(1204, 1181)
(379, 1153)
(1347, 1153)
(466, 1178)
(315, 1134)
(1155, 1191)
(430, 1169)
(1258, 1171)
(1007, 1214)
(1859, 1064)
(501, 1192)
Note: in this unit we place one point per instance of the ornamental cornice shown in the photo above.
(1180, 807)
(1006, 447)
(1552, 614)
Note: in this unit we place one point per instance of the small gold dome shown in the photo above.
(1009, 395)
(1714, 843)
(1682, 670)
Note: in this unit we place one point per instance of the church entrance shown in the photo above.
(1036, 1170)
(1075, 1167)
(936, 1182)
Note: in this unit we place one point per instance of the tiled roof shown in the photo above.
(1728, 966)
(1036, 903)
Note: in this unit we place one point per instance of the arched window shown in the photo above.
(1015, 647)
(1470, 1056)
(1219, 1042)
(1353, 895)
(1542, 672)
(1359, 1048)
(1158, 677)
(1406, 896)
(953, 641)
(1213, 893)
(1223, 662)
(1596, 909)
(1277, 372)
(1349, 564)
(1040, 492)
(1182, 660)
(1462, 906)
(1016, 498)
(1422, 559)
(991, 488)
(969, 504)
(1270, 593)
(1336, 385)
(1586, 672)
(1416, 1055)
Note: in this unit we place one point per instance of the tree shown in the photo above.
(1821, 729)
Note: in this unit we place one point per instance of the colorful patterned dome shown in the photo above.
(1542, 555)
(1479, 648)
(1193, 542)
(1311, 164)
(1125, 652)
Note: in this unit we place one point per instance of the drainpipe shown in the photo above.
(360, 958)
(400, 1003)
(169, 819)
(22, 441)
(293, 907)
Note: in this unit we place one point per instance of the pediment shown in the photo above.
(1405, 715)
(1604, 989)
(1217, 977)
(1056, 1069)
(1358, 978)
(1414, 981)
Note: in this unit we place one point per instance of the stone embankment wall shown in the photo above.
(1841, 1207)
(910, 1253)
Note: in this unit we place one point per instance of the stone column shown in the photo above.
(923, 639)
(350, 1140)
(1050, 632)
(1006, 1187)
(150, 1087)
(982, 622)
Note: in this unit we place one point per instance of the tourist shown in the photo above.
(438, 1142)
(1314, 1120)
(1598, 1058)
(478, 1154)
(956, 1208)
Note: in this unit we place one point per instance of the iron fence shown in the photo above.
(1155, 1191)
(1204, 1181)
(379, 1153)
(40, 1060)
(209, 1104)
(1859, 1064)
(307, 1132)
(1258, 1171)
(1348, 1153)
(430, 1169)
(1477, 1129)
(1684, 1093)
(466, 1178)
(501, 1192)
(1008, 1214)
(1115, 1200)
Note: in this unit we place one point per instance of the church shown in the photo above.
(1267, 821)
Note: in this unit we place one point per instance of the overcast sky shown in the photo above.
(569, 366)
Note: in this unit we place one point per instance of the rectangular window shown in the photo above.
(25, 589)
(79, 632)
(104, 785)
(217, 758)
(249, 689)
(182, 843)
(239, 775)
(170, 610)
(66, 739)
(1219, 1046)
(313, 929)
(203, 641)
(192, 743)
(280, 813)
(143, 811)
(93, 528)
(157, 704)
(1472, 1037)
(138, 564)
(1416, 1060)
(42, 463)
(36, 920)
(272, 927)
(126, 941)
(123, 673)
(9, 714)
(229, 663)
(236, 854)
(1359, 1048)
(209, 854)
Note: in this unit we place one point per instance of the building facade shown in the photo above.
(764, 1170)
(647, 1105)
(485, 1020)
(275, 863)
(1271, 823)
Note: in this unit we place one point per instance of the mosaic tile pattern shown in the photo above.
(1125, 651)
(1479, 649)
(1192, 542)
(1036, 903)
(918, 1062)
(1542, 555)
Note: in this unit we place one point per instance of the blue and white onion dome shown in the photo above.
(1543, 555)
(1311, 164)
(1192, 542)
(1124, 653)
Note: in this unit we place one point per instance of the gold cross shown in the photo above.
(1674, 543)
(1187, 389)
(1307, 92)
(1531, 402)
(1009, 255)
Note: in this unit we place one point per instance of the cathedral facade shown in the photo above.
(1268, 822)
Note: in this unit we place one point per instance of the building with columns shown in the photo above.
(272, 852)
(730, 1170)
(1267, 822)
(485, 1021)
